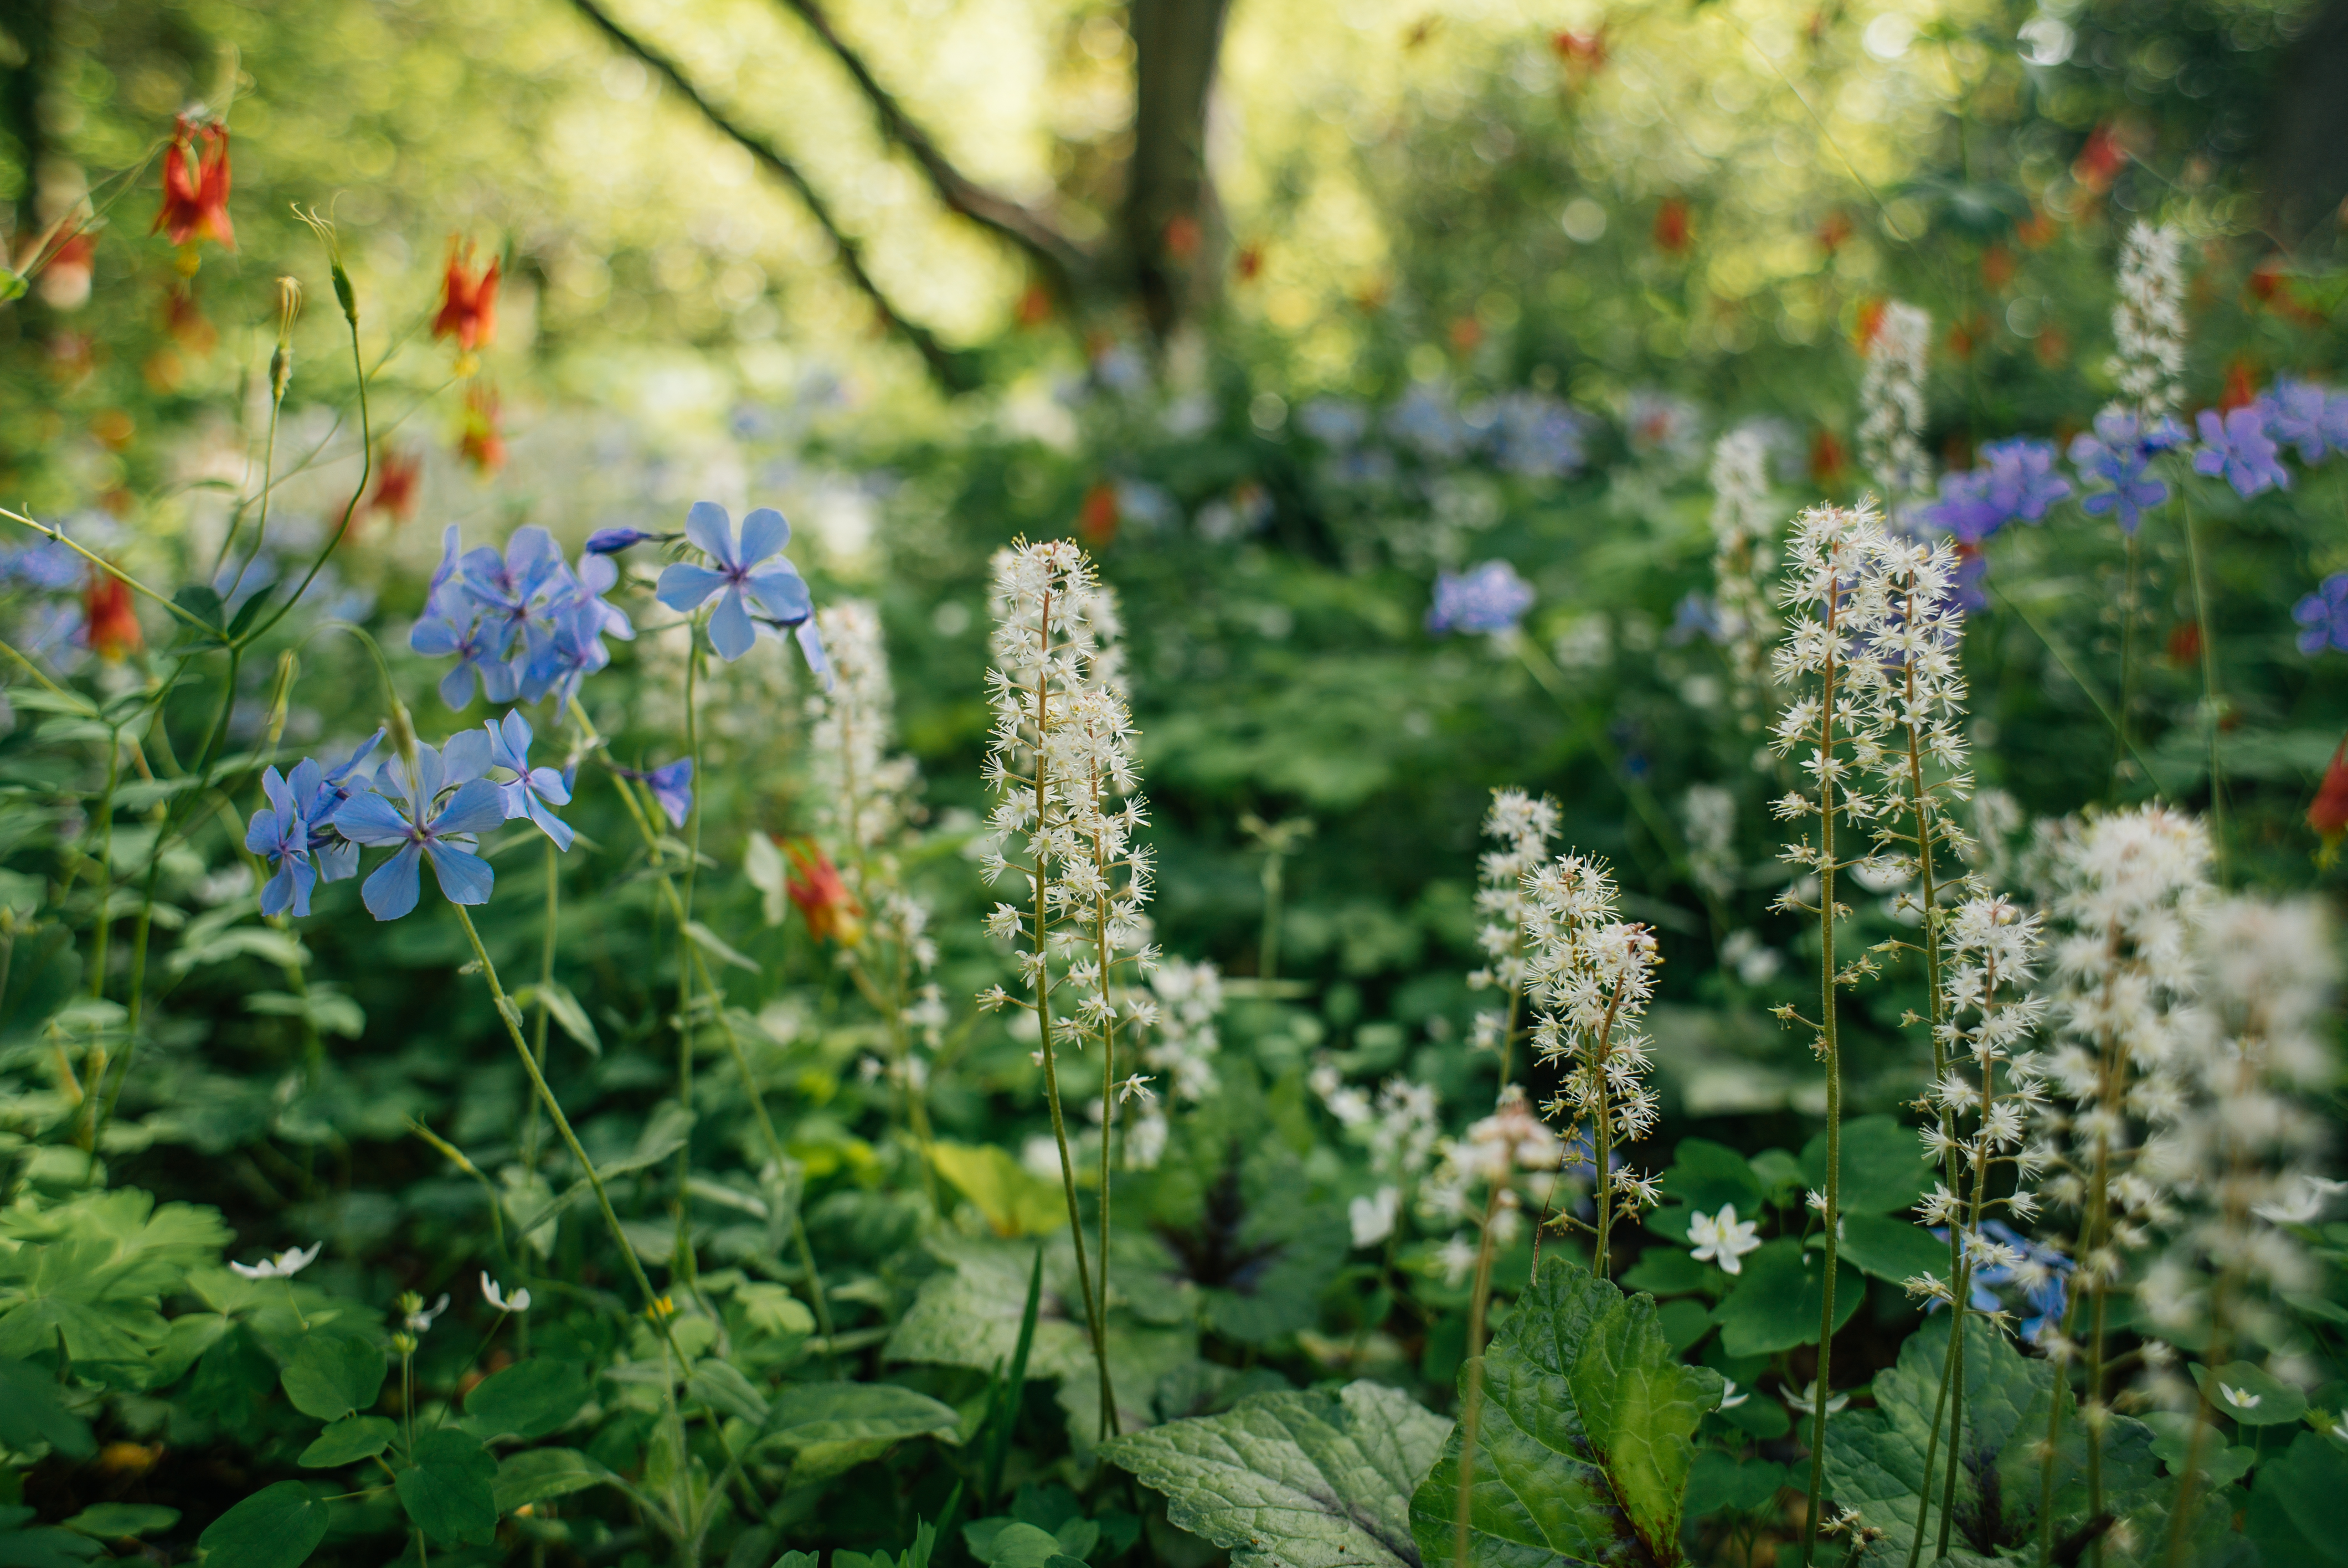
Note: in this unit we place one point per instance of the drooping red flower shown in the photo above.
(398, 475)
(2100, 161)
(2328, 814)
(2241, 387)
(1096, 519)
(1587, 50)
(1183, 237)
(1674, 226)
(1868, 322)
(831, 911)
(110, 620)
(195, 186)
(1834, 230)
(482, 443)
(1825, 459)
(469, 300)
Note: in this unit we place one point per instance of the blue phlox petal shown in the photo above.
(352, 764)
(553, 826)
(781, 592)
(371, 819)
(510, 743)
(711, 531)
(390, 891)
(730, 629)
(811, 642)
(683, 586)
(464, 877)
(477, 807)
(550, 786)
(435, 637)
(261, 835)
(337, 859)
(763, 532)
(467, 756)
(501, 681)
(456, 687)
(281, 795)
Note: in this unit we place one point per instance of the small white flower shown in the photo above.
(2340, 1428)
(284, 1266)
(1456, 1258)
(1807, 1401)
(1723, 1240)
(420, 1316)
(1137, 1088)
(2241, 1400)
(2301, 1201)
(1373, 1216)
(1817, 1200)
(518, 1302)
(1729, 1398)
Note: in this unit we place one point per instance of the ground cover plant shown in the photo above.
(1469, 964)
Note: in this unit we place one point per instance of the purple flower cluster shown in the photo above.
(522, 626)
(2015, 481)
(1526, 432)
(1487, 597)
(2323, 617)
(2120, 454)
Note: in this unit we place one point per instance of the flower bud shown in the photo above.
(280, 695)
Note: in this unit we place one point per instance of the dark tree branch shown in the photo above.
(942, 362)
(1060, 257)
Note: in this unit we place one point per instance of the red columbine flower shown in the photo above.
(482, 444)
(469, 301)
(831, 910)
(2100, 161)
(195, 186)
(1096, 519)
(398, 473)
(2329, 815)
(109, 622)
(1673, 226)
(1587, 50)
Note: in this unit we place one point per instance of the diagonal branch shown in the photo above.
(942, 361)
(1022, 225)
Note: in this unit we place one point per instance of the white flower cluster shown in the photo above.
(1891, 402)
(1524, 826)
(1179, 1045)
(1060, 760)
(1911, 690)
(2238, 1158)
(2148, 323)
(1744, 555)
(1401, 1129)
(1592, 975)
(2129, 889)
(1512, 1139)
(864, 795)
(1711, 815)
(1990, 951)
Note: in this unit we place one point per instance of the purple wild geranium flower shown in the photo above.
(2304, 414)
(532, 791)
(2323, 616)
(2015, 480)
(2236, 444)
(278, 831)
(2120, 454)
(1487, 597)
(409, 810)
(672, 787)
(738, 572)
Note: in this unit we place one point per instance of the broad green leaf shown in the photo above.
(1015, 1545)
(664, 1133)
(1014, 1200)
(721, 1387)
(1718, 1481)
(2293, 1500)
(33, 1410)
(1583, 1448)
(42, 969)
(828, 1427)
(1888, 1248)
(1778, 1299)
(535, 1475)
(347, 1441)
(1294, 1479)
(798, 1559)
(447, 1490)
(527, 1400)
(333, 1374)
(2249, 1396)
(1883, 1167)
(717, 947)
(44, 1545)
(276, 1527)
(1707, 1175)
(1668, 1271)
(116, 1520)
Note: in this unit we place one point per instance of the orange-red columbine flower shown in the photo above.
(831, 910)
(482, 444)
(110, 620)
(397, 475)
(1673, 227)
(2329, 814)
(195, 186)
(469, 300)
(1097, 517)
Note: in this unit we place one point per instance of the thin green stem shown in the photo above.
(684, 1264)
(2211, 705)
(1829, 985)
(545, 1004)
(1471, 1398)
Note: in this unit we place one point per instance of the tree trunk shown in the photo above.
(1172, 229)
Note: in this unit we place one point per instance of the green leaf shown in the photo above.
(347, 1441)
(33, 1410)
(664, 1133)
(43, 970)
(1667, 1271)
(45, 1546)
(1015, 1545)
(1891, 1248)
(1583, 1448)
(202, 601)
(722, 1388)
(1778, 1299)
(276, 1527)
(1708, 1175)
(120, 1521)
(447, 1491)
(1014, 1200)
(1717, 1481)
(799, 1560)
(717, 947)
(333, 1374)
(2257, 1397)
(250, 611)
(1294, 1479)
(527, 1400)
(2303, 1485)
(1883, 1166)
(831, 1425)
(564, 1010)
(535, 1475)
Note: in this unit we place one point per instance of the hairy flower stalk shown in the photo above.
(2128, 892)
(1590, 974)
(1524, 826)
(1061, 762)
(2238, 1157)
(1743, 558)
(1892, 404)
(1839, 590)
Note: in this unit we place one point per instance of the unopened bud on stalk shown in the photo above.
(403, 733)
(324, 229)
(280, 362)
(280, 695)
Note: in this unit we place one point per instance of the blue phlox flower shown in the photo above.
(810, 640)
(278, 831)
(1535, 435)
(2297, 414)
(445, 596)
(408, 810)
(480, 645)
(611, 541)
(43, 564)
(1963, 508)
(2120, 454)
(672, 787)
(531, 792)
(2023, 482)
(2236, 444)
(738, 571)
(1487, 597)
(1427, 421)
(2323, 617)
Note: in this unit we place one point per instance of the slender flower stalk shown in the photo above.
(1067, 808)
